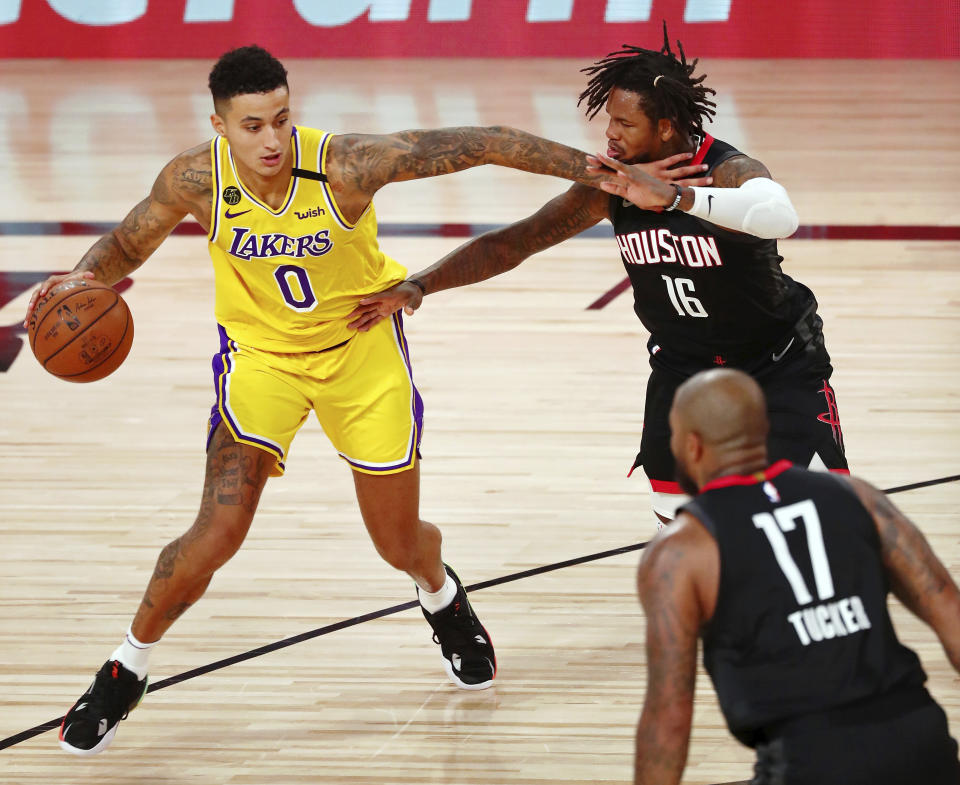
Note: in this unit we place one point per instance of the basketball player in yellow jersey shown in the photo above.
(292, 234)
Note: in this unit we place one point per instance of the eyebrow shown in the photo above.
(250, 117)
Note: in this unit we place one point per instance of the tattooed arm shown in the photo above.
(917, 576)
(490, 254)
(360, 164)
(674, 581)
(183, 186)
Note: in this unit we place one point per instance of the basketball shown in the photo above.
(81, 331)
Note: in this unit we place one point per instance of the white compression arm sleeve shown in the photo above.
(759, 207)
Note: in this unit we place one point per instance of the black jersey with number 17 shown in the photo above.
(801, 624)
(701, 290)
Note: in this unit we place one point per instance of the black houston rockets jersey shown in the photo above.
(801, 623)
(701, 290)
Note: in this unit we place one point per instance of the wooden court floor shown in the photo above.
(533, 415)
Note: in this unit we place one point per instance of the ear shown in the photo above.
(218, 125)
(694, 447)
(665, 130)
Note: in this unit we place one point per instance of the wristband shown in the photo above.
(420, 286)
(676, 199)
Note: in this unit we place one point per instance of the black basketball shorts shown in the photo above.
(905, 741)
(804, 421)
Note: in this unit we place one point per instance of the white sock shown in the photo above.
(133, 654)
(433, 601)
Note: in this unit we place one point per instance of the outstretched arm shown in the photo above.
(358, 165)
(917, 576)
(184, 185)
(503, 249)
(366, 162)
(490, 254)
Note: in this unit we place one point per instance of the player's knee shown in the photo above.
(209, 544)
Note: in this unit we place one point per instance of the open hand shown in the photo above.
(648, 185)
(47, 285)
(375, 308)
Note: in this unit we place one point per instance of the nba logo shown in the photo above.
(771, 491)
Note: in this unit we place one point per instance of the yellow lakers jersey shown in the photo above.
(286, 278)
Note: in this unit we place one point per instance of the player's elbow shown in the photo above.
(674, 721)
(772, 216)
(500, 144)
(666, 724)
(771, 221)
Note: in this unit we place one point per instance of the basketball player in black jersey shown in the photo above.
(703, 262)
(785, 573)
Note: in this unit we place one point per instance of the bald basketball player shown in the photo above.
(785, 573)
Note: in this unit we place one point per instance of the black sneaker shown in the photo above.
(467, 651)
(90, 725)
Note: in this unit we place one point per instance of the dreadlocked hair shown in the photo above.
(666, 82)
(249, 69)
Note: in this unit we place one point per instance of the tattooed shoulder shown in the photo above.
(192, 172)
(354, 161)
(187, 181)
(185, 185)
(662, 562)
(735, 171)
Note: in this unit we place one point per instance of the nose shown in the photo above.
(611, 131)
(273, 138)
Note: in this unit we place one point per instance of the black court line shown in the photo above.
(341, 625)
(924, 484)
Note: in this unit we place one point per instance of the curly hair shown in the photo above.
(665, 82)
(249, 69)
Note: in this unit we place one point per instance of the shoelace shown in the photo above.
(461, 628)
(104, 701)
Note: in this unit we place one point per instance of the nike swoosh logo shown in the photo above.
(228, 214)
(776, 357)
(709, 203)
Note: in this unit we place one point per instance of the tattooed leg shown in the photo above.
(236, 474)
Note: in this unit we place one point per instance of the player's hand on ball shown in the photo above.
(47, 285)
(374, 309)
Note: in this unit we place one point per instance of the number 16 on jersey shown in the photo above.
(680, 292)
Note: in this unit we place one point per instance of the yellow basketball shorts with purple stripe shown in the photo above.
(362, 392)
